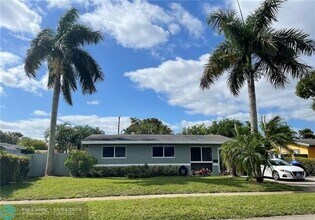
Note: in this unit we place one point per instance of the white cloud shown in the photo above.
(12, 74)
(2, 92)
(178, 80)
(94, 102)
(16, 16)
(288, 13)
(66, 3)
(40, 113)
(140, 24)
(35, 127)
(183, 17)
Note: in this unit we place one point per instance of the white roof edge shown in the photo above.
(149, 142)
(302, 144)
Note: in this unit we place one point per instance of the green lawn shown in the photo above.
(231, 207)
(68, 187)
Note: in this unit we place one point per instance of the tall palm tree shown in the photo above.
(67, 63)
(252, 49)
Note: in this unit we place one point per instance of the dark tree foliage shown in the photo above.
(10, 137)
(306, 133)
(306, 88)
(147, 126)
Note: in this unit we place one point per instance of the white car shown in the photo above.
(280, 169)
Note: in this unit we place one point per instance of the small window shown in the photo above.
(206, 154)
(120, 152)
(296, 151)
(114, 152)
(157, 151)
(163, 151)
(195, 154)
(108, 151)
(168, 151)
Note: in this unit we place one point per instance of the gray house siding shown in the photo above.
(140, 154)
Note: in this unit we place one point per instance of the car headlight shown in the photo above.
(285, 171)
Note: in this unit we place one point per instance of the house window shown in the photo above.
(114, 152)
(163, 151)
(296, 151)
(201, 154)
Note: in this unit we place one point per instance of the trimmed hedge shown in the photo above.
(135, 171)
(13, 168)
(308, 163)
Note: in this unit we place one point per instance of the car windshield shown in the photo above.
(278, 163)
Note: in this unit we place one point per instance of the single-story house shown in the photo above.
(190, 151)
(304, 147)
(11, 148)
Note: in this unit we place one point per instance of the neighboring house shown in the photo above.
(192, 151)
(11, 148)
(304, 147)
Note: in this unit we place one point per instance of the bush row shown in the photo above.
(135, 171)
(308, 163)
(13, 168)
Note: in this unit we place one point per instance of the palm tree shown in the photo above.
(67, 63)
(252, 49)
(276, 135)
(245, 152)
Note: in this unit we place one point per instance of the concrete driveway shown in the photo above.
(308, 184)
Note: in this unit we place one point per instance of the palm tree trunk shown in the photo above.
(52, 130)
(252, 103)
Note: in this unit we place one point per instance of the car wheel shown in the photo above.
(275, 175)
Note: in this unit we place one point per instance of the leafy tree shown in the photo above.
(82, 132)
(30, 142)
(305, 88)
(69, 138)
(147, 126)
(223, 127)
(64, 138)
(306, 133)
(252, 49)
(10, 137)
(196, 130)
(67, 63)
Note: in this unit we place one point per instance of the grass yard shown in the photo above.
(231, 207)
(68, 187)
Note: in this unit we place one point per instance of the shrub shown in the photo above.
(135, 171)
(80, 163)
(308, 163)
(13, 168)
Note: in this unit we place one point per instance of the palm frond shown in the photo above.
(66, 21)
(66, 91)
(227, 23)
(81, 34)
(88, 71)
(264, 15)
(237, 77)
(38, 51)
(221, 59)
(295, 39)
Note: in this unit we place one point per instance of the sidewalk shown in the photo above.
(143, 197)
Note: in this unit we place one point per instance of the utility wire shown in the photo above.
(239, 7)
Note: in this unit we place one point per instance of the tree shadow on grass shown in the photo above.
(7, 190)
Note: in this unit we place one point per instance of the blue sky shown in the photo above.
(152, 56)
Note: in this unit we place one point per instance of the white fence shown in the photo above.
(38, 164)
